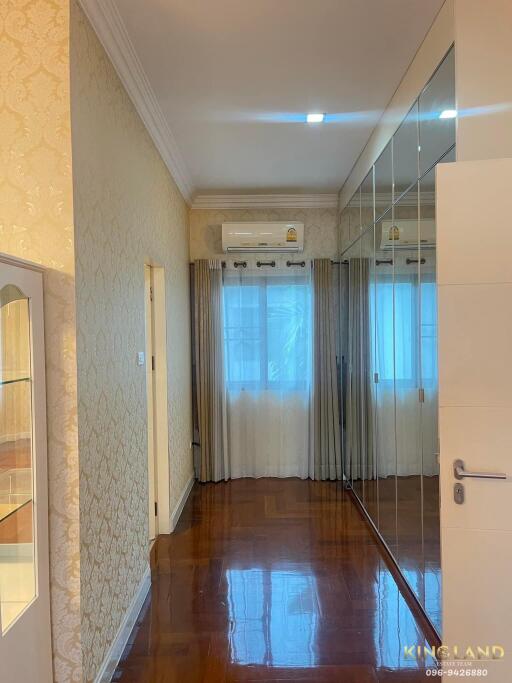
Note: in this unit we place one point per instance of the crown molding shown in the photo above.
(265, 201)
(111, 31)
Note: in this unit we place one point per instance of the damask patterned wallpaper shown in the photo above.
(320, 229)
(128, 211)
(36, 223)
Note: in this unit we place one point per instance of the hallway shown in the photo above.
(271, 580)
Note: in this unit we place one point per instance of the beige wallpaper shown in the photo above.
(349, 226)
(127, 212)
(320, 229)
(36, 223)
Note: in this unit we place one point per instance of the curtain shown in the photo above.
(325, 455)
(407, 429)
(361, 461)
(213, 462)
(267, 342)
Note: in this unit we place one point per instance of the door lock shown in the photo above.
(458, 493)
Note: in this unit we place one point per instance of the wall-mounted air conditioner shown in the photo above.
(282, 236)
(403, 234)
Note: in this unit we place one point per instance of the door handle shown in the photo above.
(460, 473)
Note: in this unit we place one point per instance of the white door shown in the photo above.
(157, 404)
(150, 400)
(475, 397)
(25, 640)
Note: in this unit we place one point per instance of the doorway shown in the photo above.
(156, 392)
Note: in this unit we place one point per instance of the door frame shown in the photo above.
(157, 399)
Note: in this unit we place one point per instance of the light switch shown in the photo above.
(140, 358)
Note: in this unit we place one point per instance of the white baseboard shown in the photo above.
(175, 515)
(116, 649)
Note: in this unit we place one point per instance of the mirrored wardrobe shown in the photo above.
(389, 340)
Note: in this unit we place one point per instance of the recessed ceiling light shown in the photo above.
(315, 118)
(448, 114)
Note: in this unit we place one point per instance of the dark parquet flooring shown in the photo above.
(271, 580)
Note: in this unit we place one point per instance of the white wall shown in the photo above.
(483, 78)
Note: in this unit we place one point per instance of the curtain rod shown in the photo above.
(272, 264)
(302, 264)
(387, 262)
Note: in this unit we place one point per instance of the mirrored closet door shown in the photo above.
(389, 346)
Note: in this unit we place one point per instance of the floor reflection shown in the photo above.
(433, 593)
(272, 580)
(395, 628)
(274, 617)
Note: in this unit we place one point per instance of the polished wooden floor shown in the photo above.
(406, 512)
(271, 580)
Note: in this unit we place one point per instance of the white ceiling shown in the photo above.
(230, 76)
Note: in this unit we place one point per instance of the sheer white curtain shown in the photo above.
(395, 305)
(267, 341)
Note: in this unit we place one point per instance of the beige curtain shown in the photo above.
(325, 461)
(360, 446)
(213, 463)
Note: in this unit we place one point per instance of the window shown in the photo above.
(395, 306)
(267, 332)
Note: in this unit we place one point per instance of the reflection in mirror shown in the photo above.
(407, 297)
(17, 561)
(429, 382)
(389, 341)
(350, 221)
(367, 208)
(405, 153)
(343, 230)
(368, 435)
(448, 158)
(343, 354)
(354, 379)
(355, 215)
(384, 372)
(437, 114)
(384, 181)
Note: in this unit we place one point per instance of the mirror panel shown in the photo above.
(367, 199)
(350, 221)
(384, 408)
(354, 379)
(429, 382)
(437, 134)
(405, 153)
(369, 455)
(407, 297)
(344, 230)
(355, 215)
(343, 363)
(383, 184)
(390, 386)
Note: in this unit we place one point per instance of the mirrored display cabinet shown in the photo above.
(389, 341)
